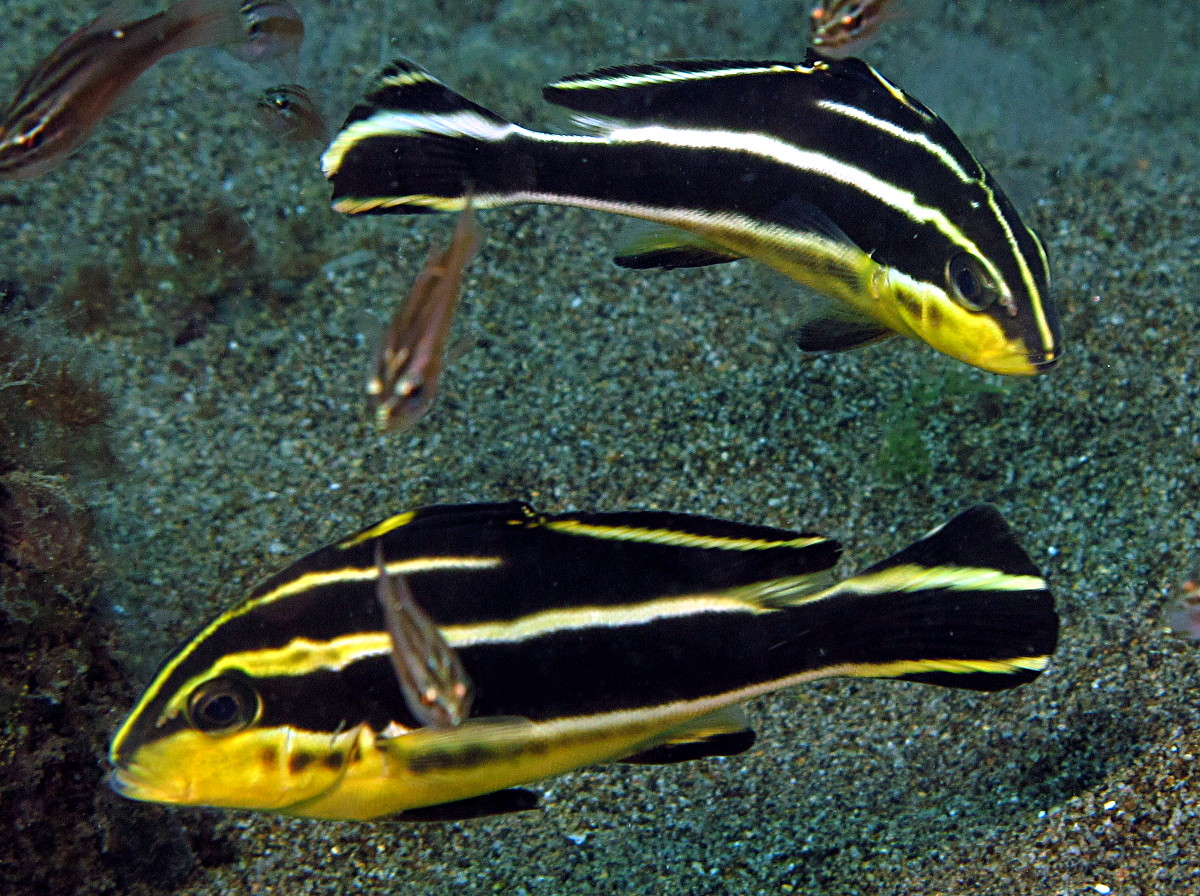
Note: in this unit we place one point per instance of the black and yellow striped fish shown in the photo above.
(825, 171)
(575, 639)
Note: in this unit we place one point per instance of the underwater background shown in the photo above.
(185, 328)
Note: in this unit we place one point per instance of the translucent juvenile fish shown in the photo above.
(835, 27)
(431, 677)
(290, 111)
(411, 354)
(274, 30)
(73, 88)
(1184, 614)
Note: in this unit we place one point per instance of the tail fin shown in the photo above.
(414, 145)
(963, 607)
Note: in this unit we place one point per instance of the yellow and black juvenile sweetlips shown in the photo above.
(577, 639)
(824, 170)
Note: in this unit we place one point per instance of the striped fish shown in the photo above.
(71, 90)
(274, 31)
(585, 638)
(837, 27)
(1183, 612)
(825, 171)
(290, 111)
(403, 381)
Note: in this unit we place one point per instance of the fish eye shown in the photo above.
(224, 705)
(969, 283)
(410, 387)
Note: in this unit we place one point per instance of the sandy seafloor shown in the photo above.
(584, 386)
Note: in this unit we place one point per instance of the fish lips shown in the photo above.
(126, 781)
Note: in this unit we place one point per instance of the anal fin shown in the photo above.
(725, 732)
(729, 744)
(498, 802)
(647, 245)
(671, 258)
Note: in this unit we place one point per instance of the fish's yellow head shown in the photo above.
(278, 704)
(961, 269)
(974, 314)
(215, 745)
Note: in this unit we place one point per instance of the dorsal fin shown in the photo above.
(403, 86)
(674, 90)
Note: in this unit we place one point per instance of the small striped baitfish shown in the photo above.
(838, 26)
(71, 90)
(403, 381)
(274, 30)
(824, 171)
(1183, 612)
(551, 643)
(290, 111)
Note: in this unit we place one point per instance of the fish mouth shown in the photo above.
(123, 783)
(1043, 365)
(128, 782)
(1013, 360)
(1044, 360)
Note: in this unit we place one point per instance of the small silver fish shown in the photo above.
(274, 30)
(290, 111)
(435, 685)
(410, 357)
(72, 89)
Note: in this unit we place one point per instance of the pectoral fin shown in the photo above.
(839, 332)
(800, 214)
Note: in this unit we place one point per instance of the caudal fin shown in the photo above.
(963, 607)
(414, 145)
